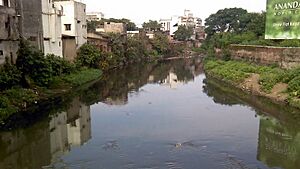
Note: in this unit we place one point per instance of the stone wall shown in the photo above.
(285, 57)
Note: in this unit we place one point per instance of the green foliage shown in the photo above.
(15, 100)
(83, 76)
(225, 20)
(9, 76)
(236, 71)
(88, 56)
(160, 43)
(151, 25)
(137, 48)
(229, 71)
(255, 23)
(290, 43)
(118, 48)
(39, 68)
(270, 77)
(92, 25)
(183, 33)
(294, 87)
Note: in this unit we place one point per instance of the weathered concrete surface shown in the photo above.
(9, 33)
(285, 57)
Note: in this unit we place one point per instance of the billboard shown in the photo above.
(283, 19)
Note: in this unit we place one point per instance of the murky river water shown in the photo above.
(157, 116)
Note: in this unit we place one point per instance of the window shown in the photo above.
(1, 52)
(67, 27)
(4, 3)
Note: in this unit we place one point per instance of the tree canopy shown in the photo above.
(183, 33)
(151, 25)
(226, 20)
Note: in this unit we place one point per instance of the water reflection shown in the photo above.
(46, 141)
(279, 127)
(140, 121)
(115, 86)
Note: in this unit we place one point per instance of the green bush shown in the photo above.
(83, 76)
(9, 76)
(89, 56)
(39, 68)
(294, 87)
(290, 43)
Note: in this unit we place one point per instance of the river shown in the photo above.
(166, 115)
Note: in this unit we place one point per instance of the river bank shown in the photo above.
(279, 85)
(18, 100)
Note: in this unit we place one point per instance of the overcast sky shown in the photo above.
(140, 10)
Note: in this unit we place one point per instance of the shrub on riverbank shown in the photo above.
(35, 76)
(82, 77)
(237, 72)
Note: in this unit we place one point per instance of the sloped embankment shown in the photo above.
(277, 84)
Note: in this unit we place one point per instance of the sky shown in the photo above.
(140, 11)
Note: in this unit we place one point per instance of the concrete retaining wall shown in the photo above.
(285, 57)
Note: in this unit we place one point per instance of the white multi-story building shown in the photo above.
(94, 16)
(51, 17)
(74, 20)
(170, 25)
(74, 27)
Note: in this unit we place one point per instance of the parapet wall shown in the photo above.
(285, 57)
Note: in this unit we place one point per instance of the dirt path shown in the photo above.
(252, 85)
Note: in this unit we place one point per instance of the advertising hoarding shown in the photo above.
(283, 19)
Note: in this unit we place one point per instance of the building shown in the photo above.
(51, 16)
(9, 34)
(132, 33)
(29, 14)
(94, 16)
(170, 25)
(100, 41)
(112, 27)
(189, 20)
(74, 26)
(38, 22)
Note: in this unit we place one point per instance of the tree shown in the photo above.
(183, 33)
(151, 26)
(256, 23)
(226, 20)
(160, 43)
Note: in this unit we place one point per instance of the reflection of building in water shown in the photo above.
(119, 101)
(58, 135)
(172, 81)
(71, 128)
(25, 148)
(46, 141)
(278, 145)
(79, 130)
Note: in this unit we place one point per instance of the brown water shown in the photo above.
(156, 116)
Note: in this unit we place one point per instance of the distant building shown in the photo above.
(9, 34)
(170, 25)
(100, 41)
(189, 20)
(132, 33)
(112, 27)
(94, 16)
(74, 27)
